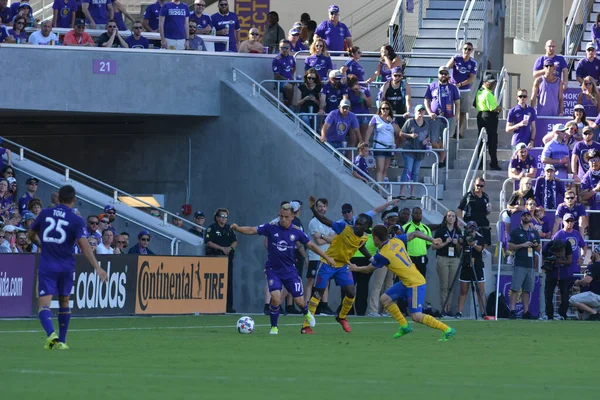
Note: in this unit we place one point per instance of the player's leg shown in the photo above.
(311, 271)
(586, 302)
(388, 301)
(47, 287)
(322, 276)
(466, 275)
(275, 289)
(65, 285)
(343, 278)
(294, 286)
(416, 299)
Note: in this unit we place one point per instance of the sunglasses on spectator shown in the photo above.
(93, 243)
(385, 108)
(223, 4)
(590, 49)
(347, 212)
(111, 26)
(570, 221)
(588, 83)
(443, 73)
(311, 78)
(111, 212)
(224, 216)
(569, 198)
(200, 5)
(296, 34)
(522, 96)
(254, 33)
(333, 13)
(587, 132)
(144, 239)
(397, 75)
(193, 26)
(284, 47)
(345, 108)
(468, 48)
(479, 186)
(120, 242)
(137, 27)
(104, 221)
(549, 66)
(93, 222)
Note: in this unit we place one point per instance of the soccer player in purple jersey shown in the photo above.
(280, 269)
(56, 230)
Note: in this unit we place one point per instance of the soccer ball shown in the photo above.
(245, 325)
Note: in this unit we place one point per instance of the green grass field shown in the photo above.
(206, 358)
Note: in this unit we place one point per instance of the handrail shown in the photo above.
(391, 184)
(460, 24)
(500, 88)
(299, 123)
(481, 140)
(569, 24)
(69, 171)
(396, 16)
(438, 203)
(511, 180)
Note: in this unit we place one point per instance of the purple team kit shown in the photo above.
(98, 10)
(515, 116)
(223, 21)
(462, 70)
(175, 15)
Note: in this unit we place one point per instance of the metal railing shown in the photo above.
(396, 28)
(73, 174)
(42, 9)
(428, 203)
(504, 190)
(575, 26)
(301, 126)
(474, 166)
(474, 12)
(404, 27)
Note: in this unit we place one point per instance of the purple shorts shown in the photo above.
(56, 283)
(285, 278)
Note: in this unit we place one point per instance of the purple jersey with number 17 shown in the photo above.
(58, 229)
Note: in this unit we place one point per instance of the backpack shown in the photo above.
(503, 310)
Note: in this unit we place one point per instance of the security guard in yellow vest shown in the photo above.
(487, 116)
(417, 248)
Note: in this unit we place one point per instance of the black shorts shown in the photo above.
(311, 272)
(466, 273)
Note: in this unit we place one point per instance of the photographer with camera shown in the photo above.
(473, 244)
(562, 257)
(524, 241)
(588, 302)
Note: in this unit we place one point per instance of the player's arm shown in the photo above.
(421, 235)
(317, 250)
(89, 254)
(322, 219)
(33, 237)
(363, 250)
(363, 270)
(385, 205)
(245, 230)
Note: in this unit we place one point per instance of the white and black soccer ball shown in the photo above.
(245, 325)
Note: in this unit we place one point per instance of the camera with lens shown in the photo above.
(469, 232)
(395, 230)
(549, 262)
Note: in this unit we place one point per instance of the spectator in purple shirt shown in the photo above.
(17, 34)
(333, 92)
(571, 206)
(556, 152)
(296, 45)
(361, 167)
(338, 125)
(8, 153)
(333, 31)
(173, 26)
(319, 59)
(464, 71)
(360, 98)
(561, 67)
(589, 66)
(226, 24)
(136, 40)
(578, 164)
(520, 121)
(549, 191)
(547, 93)
(590, 191)
(151, 15)
(596, 31)
(64, 13)
(3, 34)
(284, 67)
(522, 164)
(388, 61)
(97, 12)
(32, 186)
(351, 66)
(442, 98)
(5, 14)
(589, 97)
(203, 21)
(120, 12)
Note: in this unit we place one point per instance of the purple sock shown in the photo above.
(45, 316)
(64, 316)
(274, 314)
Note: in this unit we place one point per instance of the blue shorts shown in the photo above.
(342, 276)
(414, 295)
(56, 283)
(288, 279)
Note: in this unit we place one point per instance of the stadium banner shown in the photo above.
(252, 13)
(17, 282)
(534, 298)
(181, 285)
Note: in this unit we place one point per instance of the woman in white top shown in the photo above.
(384, 130)
(104, 247)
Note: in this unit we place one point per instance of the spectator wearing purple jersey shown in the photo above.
(361, 101)
(547, 93)
(338, 125)
(442, 98)
(61, 229)
(8, 153)
(549, 191)
(196, 42)
(284, 67)
(203, 21)
(5, 14)
(6, 199)
(556, 152)
(120, 12)
(333, 92)
(520, 121)
(308, 95)
(522, 164)
(296, 45)
(227, 24)
(590, 191)
(361, 167)
(136, 40)
(97, 12)
(111, 213)
(173, 26)
(112, 37)
(93, 242)
(17, 34)
(32, 186)
(142, 245)
(151, 15)
(352, 66)
(3, 36)
(14, 9)
(561, 70)
(319, 59)
(578, 165)
(63, 14)
(571, 206)
(589, 97)
(588, 66)
(464, 71)
(388, 61)
(333, 31)
(25, 10)
(596, 31)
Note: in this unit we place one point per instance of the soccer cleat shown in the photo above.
(274, 331)
(310, 319)
(344, 323)
(307, 331)
(449, 334)
(403, 330)
(60, 346)
(512, 315)
(458, 315)
(51, 341)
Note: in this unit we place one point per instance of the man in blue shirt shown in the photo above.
(57, 230)
(333, 31)
(97, 12)
(589, 66)
(338, 124)
(150, 20)
(280, 269)
(556, 152)
(173, 26)
(226, 24)
(284, 67)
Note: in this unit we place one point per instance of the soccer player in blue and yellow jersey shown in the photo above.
(392, 253)
(349, 239)
(59, 228)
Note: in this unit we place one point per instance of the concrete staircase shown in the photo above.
(587, 33)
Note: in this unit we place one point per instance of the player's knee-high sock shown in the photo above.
(273, 314)
(346, 306)
(64, 316)
(434, 323)
(45, 316)
(395, 312)
(312, 306)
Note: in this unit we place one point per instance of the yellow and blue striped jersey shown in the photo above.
(393, 254)
(345, 244)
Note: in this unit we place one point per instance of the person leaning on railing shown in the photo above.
(418, 137)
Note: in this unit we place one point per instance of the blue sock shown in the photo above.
(274, 314)
(45, 316)
(64, 316)
(305, 309)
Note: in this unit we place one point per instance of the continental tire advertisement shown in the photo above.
(181, 285)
